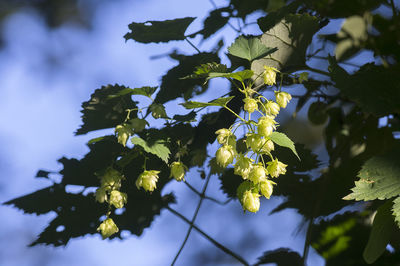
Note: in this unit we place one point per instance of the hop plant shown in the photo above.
(266, 188)
(158, 111)
(266, 146)
(107, 228)
(254, 141)
(225, 155)
(101, 194)
(178, 170)
(118, 199)
(250, 105)
(225, 136)
(282, 98)
(270, 75)
(251, 201)
(258, 174)
(243, 166)
(265, 126)
(272, 108)
(137, 124)
(123, 133)
(276, 168)
(148, 180)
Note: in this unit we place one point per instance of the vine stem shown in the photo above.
(194, 46)
(202, 196)
(212, 240)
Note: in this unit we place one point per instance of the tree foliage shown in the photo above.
(356, 105)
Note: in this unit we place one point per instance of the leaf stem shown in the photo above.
(194, 46)
(212, 240)
(230, 110)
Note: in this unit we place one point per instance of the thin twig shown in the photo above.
(194, 46)
(202, 195)
(206, 197)
(212, 240)
(393, 9)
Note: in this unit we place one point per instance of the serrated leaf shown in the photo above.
(249, 48)
(217, 102)
(203, 70)
(215, 21)
(159, 31)
(381, 233)
(240, 75)
(101, 112)
(282, 140)
(396, 210)
(379, 178)
(280, 256)
(157, 147)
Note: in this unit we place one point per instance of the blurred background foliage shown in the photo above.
(345, 124)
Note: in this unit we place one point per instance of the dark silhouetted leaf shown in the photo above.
(172, 84)
(102, 112)
(381, 233)
(190, 117)
(215, 21)
(159, 31)
(229, 183)
(280, 256)
(43, 173)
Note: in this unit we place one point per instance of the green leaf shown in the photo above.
(145, 91)
(249, 48)
(379, 178)
(157, 147)
(282, 140)
(159, 31)
(203, 70)
(102, 112)
(240, 75)
(396, 210)
(217, 102)
(381, 233)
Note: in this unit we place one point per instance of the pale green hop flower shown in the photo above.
(243, 166)
(272, 108)
(148, 180)
(270, 75)
(258, 174)
(123, 132)
(266, 188)
(267, 146)
(282, 98)
(254, 141)
(265, 126)
(251, 201)
(276, 168)
(225, 155)
(107, 228)
(118, 199)
(101, 194)
(178, 170)
(111, 179)
(225, 136)
(250, 105)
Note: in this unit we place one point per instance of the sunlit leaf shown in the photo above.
(217, 102)
(249, 48)
(282, 140)
(240, 75)
(156, 147)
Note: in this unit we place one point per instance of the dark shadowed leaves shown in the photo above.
(102, 112)
(159, 31)
(376, 89)
(230, 182)
(190, 117)
(216, 20)
(173, 86)
(281, 257)
(217, 102)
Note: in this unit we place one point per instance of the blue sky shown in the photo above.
(45, 75)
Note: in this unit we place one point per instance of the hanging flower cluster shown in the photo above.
(257, 165)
